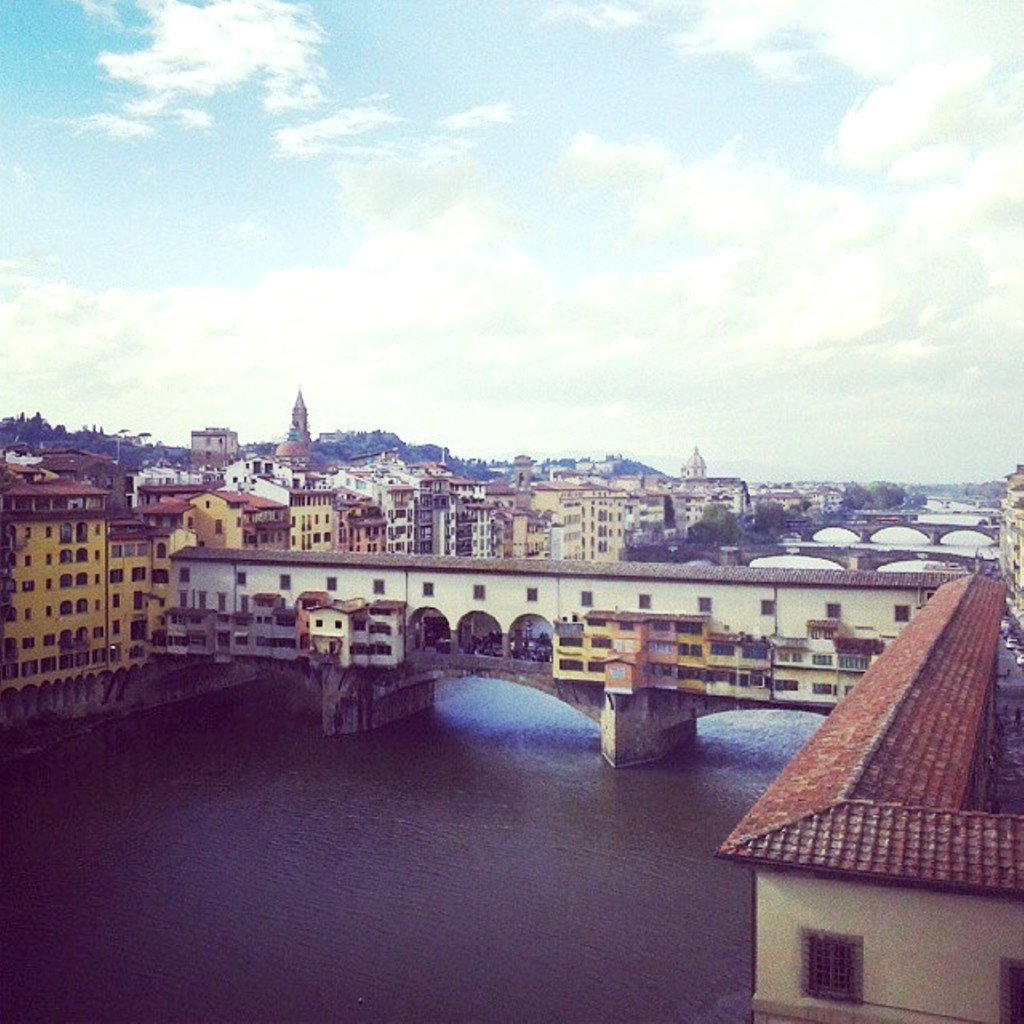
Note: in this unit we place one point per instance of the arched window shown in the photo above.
(65, 580)
(82, 579)
(161, 550)
(66, 556)
(82, 532)
(66, 608)
(66, 533)
(65, 637)
(81, 555)
(81, 633)
(81, 606)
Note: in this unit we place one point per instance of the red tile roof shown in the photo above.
(883, 789)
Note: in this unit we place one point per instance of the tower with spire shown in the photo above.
(298, 448)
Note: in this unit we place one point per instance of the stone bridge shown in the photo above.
(868, 531)
(637, 727)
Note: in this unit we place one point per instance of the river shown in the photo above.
(222, 861)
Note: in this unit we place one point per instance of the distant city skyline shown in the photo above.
(788, 233)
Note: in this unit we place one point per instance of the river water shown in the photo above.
(222, 861)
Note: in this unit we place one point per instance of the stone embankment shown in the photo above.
(156, 685)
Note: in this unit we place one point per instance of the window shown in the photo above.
(832, 966)
(690, 628)
(240, 579)
(378, 586)
(723, 650)
(570, 665)
(27, 585)
(479, 591)
(138, 574)
(184, 575)
(644, 601)
(1012, 992)
(833, 611)
(428, 589)
(704, 605)
(116, 575)
(901, 613)
(822, 689)
(821, 659)
(115, 600)
(222, 602)
(139, 600)
(782, 685)
(854, 661)
(332, 582)
(531, 593)
(587, 598)
(767, 607)
(285, 581)
(161, 550)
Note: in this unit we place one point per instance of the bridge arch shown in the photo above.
(479, 632)
(428, 629)
(530, 638)
(795, 562)
(901, 535)
(966, 538)
(837, 536)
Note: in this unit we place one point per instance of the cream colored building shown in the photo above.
(886, 889)
(592, 519)
(1011, 543)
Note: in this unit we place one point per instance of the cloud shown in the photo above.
(104, 9)
(114, 126)
(931, 121)
(479, 117)
(325, 135)
(603, 16)
(200, 51)
(784, 39)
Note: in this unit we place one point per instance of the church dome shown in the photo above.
(292, 449)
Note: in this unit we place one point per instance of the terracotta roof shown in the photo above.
(58, 488)
(165, 507)
(883, 789)
(967, 851)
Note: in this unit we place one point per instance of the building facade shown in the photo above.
(1011, 543)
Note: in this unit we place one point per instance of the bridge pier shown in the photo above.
(358, 700)
(644, 725)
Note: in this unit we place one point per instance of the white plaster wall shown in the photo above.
(735, 606)
(925, 952)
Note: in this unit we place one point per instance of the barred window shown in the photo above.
(833, 966)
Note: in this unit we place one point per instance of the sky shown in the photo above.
(789, 231)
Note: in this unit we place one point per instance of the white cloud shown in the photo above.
(602, 16)
(199, 51)
(325, 134)
(479, 117)
(114, 126)
(783, 38)
(949, 104)
(105, 9)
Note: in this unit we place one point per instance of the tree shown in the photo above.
(716, 526)
(769, 519)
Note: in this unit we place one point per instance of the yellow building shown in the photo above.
(134, 610)
(312, 520)
(1012, 543)
(53, 576)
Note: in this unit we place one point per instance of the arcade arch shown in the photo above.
(429, 630)
(530, 638)
(479, 633)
